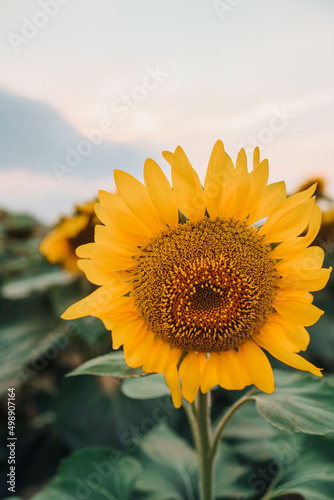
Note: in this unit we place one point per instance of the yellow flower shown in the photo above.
(192, 285)
(59, 245)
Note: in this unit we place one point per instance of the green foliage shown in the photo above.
(108, 365)
(151, 387)
(97, 473)
(310, 475)
(170, 467)
(69, 419)
(301, 403)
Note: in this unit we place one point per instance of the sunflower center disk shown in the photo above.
(206, 286)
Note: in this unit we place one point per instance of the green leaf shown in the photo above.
(300, 403)
(252, 437)
(91, 411)
(311, 475)
(20, 288)
(99, 473)
(36, 340)
(108, 365)
(231, 476)
(170, 467)
(150, 387)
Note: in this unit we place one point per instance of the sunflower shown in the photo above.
(59, 245)
(195, 282)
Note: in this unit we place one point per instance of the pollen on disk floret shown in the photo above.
(206, 286)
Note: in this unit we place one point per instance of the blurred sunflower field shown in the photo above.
(88, 426)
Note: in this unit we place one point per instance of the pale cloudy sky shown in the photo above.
(155, 74)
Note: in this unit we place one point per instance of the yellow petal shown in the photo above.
(284, 294)
(272, 196)
(173, 382)
(289, 358)
(257, 366)
(102, 214)
(166, 356)
(234, 369)
(289, 225)
(157, 350)
(161, 193)
(136, 197)
(122, 309)
(114, 236)
(289, 204)
(115, 242)
(190, 374)
(242, 185)
(138, 349)
(229, 186)
(310, 258)
(289, 248)
(215, 180)
(210, 373)
(310, 279)
(222, 372)
(94, 275)
(116, 209)
(104, 257)
(276, 333)
(202, 361)
(298, 312)
(258, 183)
(187, 187)
(256, 158)
(297, 334)
(123, 332)
(98, 301)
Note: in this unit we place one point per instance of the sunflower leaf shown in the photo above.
(150, 388)
(170, 466)
(310, 475)
(108, 365)
(300, 403)
(97, 473)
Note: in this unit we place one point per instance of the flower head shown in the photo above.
(195, 282)
(59, 245)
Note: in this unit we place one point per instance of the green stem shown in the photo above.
(206, 461)
(227, 417)
(199, 418)
(207, 446)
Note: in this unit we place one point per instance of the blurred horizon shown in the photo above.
(87, 90)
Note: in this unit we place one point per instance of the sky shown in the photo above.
(86, 87)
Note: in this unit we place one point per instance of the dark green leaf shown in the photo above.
(92, 411)
(99, 473)
(108, 365)
(150, 387)
(231, 476)
(21, 288)
(35, 340)
(170, 467)
(311, 475)
(300, 403)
